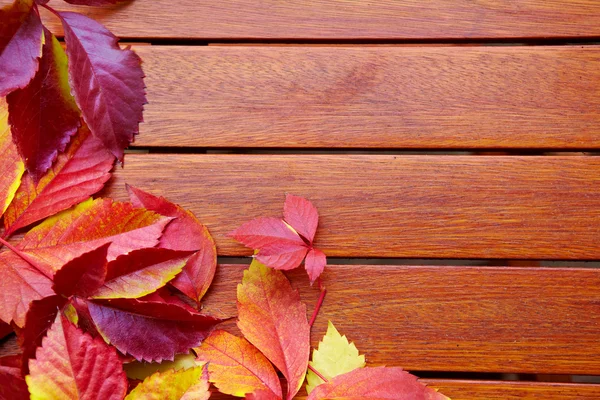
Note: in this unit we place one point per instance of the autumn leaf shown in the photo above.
(73, 365)
(334, 356)
(302, 215)
(77, 174)
(10, 162)
(107, 81)
(21, 41)
(236, 367)
(141, 370)
(42, 134)
(140, 272)
(13, 385)
(83, 275)
(186, 384)
(375, 383)
(150, 330)
(272, 318)
(185, 232)
(21, 284)
(89, 225)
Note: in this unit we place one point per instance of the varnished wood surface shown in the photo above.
(349, 19)
(372, 97)
(485, 319)
(392, 206)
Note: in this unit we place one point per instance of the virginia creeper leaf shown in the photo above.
(140, 272)
(375, 383)
(10, 163)
(107, 81)
(77, 174)
(315, 264)
(187, 384)
(13, 386)
(272, 318)
(89, 225)
(164, 295)
(83, 275)
(283, 256)
(335, 356)
(73, 365)
(142, 370)
(236, 367)
(21, 284)
(302, 215)
(150, 330)
(21, 41)
(43, 115)
(185, 232)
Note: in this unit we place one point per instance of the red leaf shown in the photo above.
(375, 383)
(42, 134)
(13, 386)
(40, 317)
(164, 295)
(261, 232)
(315, 264)
(301, 215)
(107, 81)
(20, 45)
(83, 275)
(73, 365)
(283, 255)
(77, 174)
(20, 285)
(5, 329)
(183, 233)
(272, 317)
(141, 272)
(148, 330)
(10, 163)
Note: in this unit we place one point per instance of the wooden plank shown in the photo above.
(469, 319)
(392, 206)
(348, 19)
(375, 97)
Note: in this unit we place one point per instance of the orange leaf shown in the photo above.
(272, 318)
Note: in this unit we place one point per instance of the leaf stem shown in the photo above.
(25, 257)
(317, 373)
(319, 303)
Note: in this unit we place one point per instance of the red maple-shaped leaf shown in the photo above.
(283, 244)
(375, 383)
(83, 275)
(73, 365)
(106, 80)
(77, 174)
(21, 284)
(272, 318)
(185, 232)
(236, 367)
(150, 330)
(13, 386)
(140, 273)
(10, 162)
(43, 115)
(89, 225)
(20, 45)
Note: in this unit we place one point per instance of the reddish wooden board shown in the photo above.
(479, 319)
(372, 97)
(349, 19)
(392, 206)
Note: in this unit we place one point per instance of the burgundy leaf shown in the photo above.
(301, 215)
(83, 275)
(150, 330)
(107, 81)
(13, 386)
(43, 115)
(164, 295)
(5, 329)
(185, 232)
(315, 264)
(20, 45)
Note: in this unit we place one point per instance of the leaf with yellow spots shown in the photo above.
(73, 365)
(335, 356)
(186, 384)
(10, 163)
(237, 368)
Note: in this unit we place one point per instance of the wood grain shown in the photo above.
(480, 319)
(348, 19)
(372, 97)
(392, 206)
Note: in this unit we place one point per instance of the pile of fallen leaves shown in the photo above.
(105, 297)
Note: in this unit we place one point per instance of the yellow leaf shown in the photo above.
(142, 369)
(185, 384)
(10, 163)
(335, 356)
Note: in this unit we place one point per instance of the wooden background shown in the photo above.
(459, 134)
